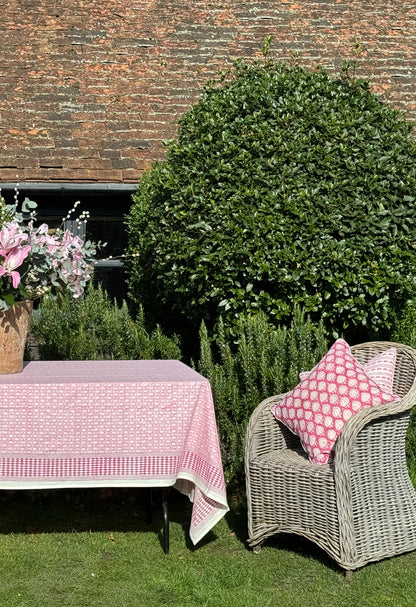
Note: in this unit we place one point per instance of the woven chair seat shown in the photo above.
(290, 457)
(360, 507)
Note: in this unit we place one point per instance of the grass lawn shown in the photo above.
(94, 549)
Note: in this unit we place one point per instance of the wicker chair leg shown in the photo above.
(257, 548)
(348, 575)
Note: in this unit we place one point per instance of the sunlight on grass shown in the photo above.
(87, 549)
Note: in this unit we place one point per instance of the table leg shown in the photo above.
(165, 520)
(165, 511)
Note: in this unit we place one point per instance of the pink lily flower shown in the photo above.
(43, 228)
(10, 237)
(13, 260)
(49, 242)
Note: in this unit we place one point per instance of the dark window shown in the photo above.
(107, 205)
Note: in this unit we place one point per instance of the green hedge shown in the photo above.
(95, 328)
(404, 332)
(284, 186)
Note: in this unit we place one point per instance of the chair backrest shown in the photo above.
(405, 370)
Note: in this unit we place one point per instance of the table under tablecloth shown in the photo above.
(113, 424)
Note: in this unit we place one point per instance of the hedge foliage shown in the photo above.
(94, 328)
(405, 333)
(284, 186)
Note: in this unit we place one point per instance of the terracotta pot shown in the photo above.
(14, 325)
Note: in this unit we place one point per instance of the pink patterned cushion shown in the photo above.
(380, 369)
(317, 409)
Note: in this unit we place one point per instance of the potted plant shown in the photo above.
(34, 260)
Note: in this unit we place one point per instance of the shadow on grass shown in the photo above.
(80, 510)
(236, 520)
(296, 544)
(106, 510)
(126, 510)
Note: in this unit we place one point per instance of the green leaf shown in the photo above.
(28, 205)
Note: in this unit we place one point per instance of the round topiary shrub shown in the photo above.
(284, 186)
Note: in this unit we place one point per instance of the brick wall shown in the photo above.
(89, 89)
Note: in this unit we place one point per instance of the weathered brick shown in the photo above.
(89, 90)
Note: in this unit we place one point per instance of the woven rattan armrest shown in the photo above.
(381, 413)
(359, 421)
(265, 433)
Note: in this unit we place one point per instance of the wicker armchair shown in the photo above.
(359, 508)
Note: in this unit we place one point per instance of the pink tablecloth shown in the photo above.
(113, 424)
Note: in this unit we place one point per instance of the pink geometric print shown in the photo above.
(317, 409)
